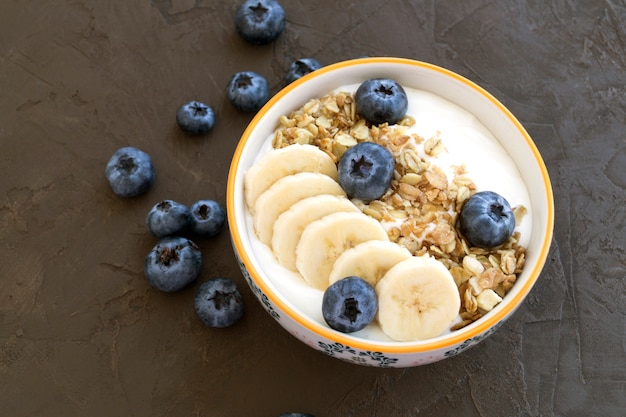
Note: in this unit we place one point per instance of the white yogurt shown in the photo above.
(467, 142)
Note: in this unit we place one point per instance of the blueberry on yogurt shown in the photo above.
(300, 68)
(260, 22)
(350, 304)
(130, 172)
(173, 263)
(195, 118)
(381, 100)
(218, 302)
(247, 91)
(207, 218)
(486, 219)
(365, 171)
(167, 218)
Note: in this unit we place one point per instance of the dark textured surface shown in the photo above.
(81, 332)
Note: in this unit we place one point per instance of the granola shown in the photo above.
(421, 207)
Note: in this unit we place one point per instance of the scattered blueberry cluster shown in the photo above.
(203, 218)
(176, 261)
(258, 22)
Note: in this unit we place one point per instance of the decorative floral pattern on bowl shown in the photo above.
(257, 291)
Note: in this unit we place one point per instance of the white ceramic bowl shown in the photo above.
(419, 75)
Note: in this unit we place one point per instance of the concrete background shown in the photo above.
(83, 334)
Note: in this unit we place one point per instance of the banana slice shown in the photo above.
(285, 161)
(417, 299)
(283, 194)
(323, 240)
(289, 225)
(369, 260)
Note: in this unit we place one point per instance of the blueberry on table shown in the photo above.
(207, 218)
(380, 100)
(486, 219)
(247, 91)
(300, 68)
(260, 21)
(218, 302)
(195, 118)
(366, 170)
(167, 218)
(130, 172)
(296, 415)
(172, 264)
(350, 304)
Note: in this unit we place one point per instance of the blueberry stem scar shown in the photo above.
(221, 299)
(199, 110)
(168, 255)
(204, 211)
(259, 11)
(497, 211)
(243, 81)
(383, 90)
(164, 205)
(361, 167)
(128, 164)
(351, 309)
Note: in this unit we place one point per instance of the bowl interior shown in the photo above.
(448, 85)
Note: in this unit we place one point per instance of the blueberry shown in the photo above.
(365, 170)
(218, 302)
(167, 218)
(296, 415)
(260, 21)
(350, 304)
(300, 68)
(172, 264)
(130, 172)
(195, 118)
(486, 219)
(247, 91)
(380, 100)
(207, 218)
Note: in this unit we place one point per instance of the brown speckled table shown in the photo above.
(83, 334)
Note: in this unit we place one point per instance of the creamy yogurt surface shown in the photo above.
(467, 142)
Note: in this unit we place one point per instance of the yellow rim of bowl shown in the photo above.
(406, 347)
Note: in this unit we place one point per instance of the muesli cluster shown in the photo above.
(421, 207)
